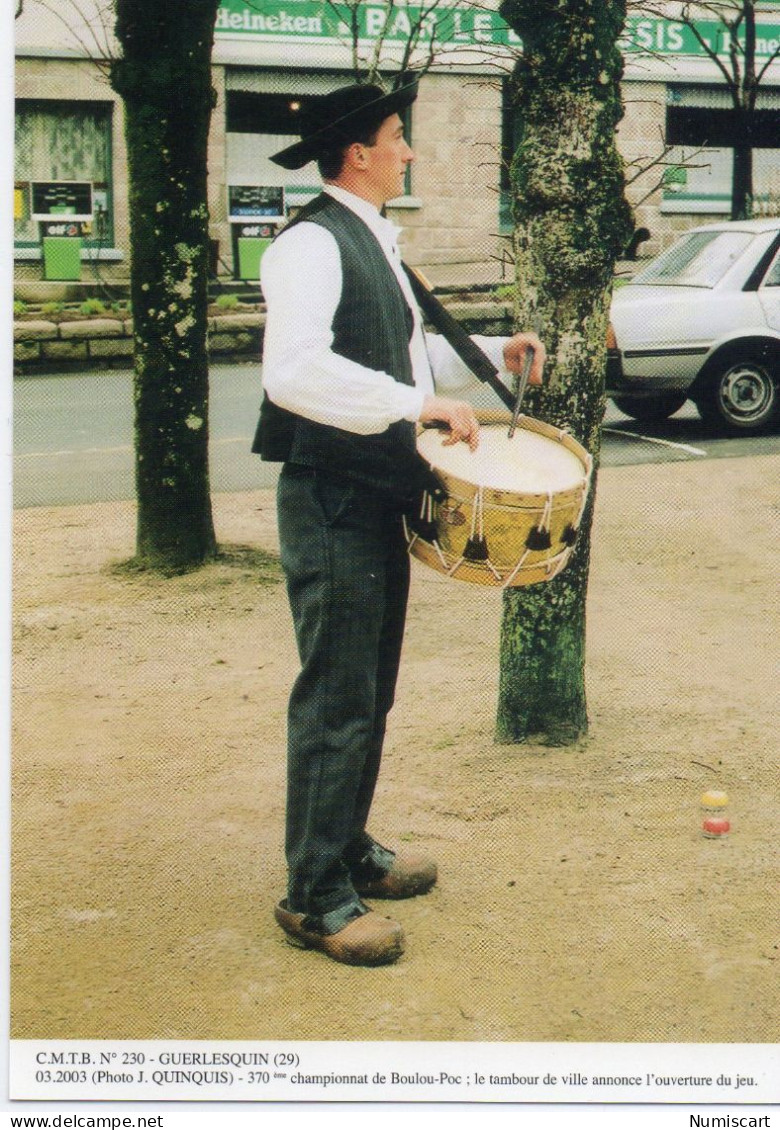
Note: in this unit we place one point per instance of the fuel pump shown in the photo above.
(61, 209)
(255, 213)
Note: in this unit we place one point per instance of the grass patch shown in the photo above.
(92, 306)
(505, 292)
(265, 567)
(232, 562)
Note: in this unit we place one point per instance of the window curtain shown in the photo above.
(56, 142)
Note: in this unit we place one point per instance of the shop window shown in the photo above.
(722, 128)
(58, 141)
(260, 123)
(704, 127)
(252, 112)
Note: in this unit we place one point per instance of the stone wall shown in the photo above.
(456, 141)
(104, 343)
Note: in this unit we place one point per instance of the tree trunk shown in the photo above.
(571, 224)
(164, 79)
(742, 169)
(742, 183)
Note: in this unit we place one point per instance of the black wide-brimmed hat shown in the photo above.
(342, 116)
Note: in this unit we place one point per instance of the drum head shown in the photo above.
(528, 463)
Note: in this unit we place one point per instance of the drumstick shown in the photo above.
(522, 384)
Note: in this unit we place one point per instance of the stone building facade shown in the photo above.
(270, 54)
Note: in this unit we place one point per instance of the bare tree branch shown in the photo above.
(420, 44)
(100, 53)
(732, 16)
(643, 165)
(686, 19)
(775, 55)
(736, 61)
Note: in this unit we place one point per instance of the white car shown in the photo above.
(702, 322)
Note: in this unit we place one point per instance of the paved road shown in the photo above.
(73, 437)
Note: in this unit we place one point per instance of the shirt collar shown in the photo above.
(385, 230)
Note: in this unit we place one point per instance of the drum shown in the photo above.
(512, 507)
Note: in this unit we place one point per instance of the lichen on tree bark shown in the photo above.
(571, 224)
(164, 79)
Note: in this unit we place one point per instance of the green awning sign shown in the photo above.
(313, 19)
(669, 37)
(452, 26)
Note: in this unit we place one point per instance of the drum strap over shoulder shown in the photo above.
(468, 351)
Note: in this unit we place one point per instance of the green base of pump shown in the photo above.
(61, 258)
(250, 252)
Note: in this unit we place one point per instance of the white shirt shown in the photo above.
(301, 280)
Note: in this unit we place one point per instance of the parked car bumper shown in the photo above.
(649, 375)
(616, 381)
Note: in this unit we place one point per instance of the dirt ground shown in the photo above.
(578, 900)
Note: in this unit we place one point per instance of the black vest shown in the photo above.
(372, 326)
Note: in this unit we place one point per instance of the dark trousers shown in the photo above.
(347, 571)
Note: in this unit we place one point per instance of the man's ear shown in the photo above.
(356, 155)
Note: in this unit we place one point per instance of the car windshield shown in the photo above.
(700, 259)
(773, 274)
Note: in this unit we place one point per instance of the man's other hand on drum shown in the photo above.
(456, 415)
(459, 416)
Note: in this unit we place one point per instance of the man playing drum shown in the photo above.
(348, 372)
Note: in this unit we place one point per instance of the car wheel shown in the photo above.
(649, 410)
(741, 395)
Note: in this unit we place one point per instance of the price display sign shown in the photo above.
(71, 199)
(247, 201)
